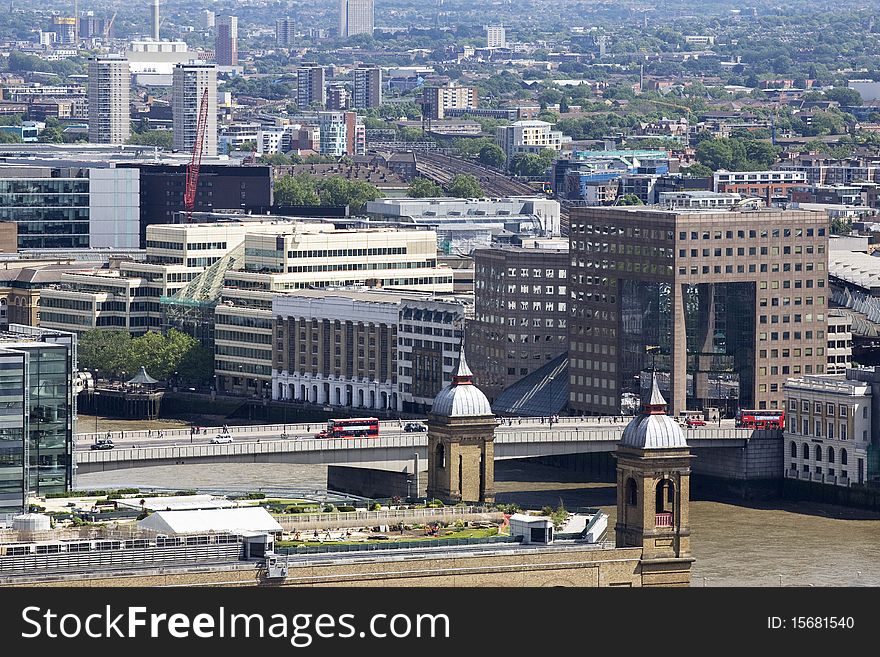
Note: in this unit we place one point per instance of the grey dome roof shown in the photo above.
(652, 428)
(653, 432)
(461, 398)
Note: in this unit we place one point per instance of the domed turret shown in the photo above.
(461, 398)
(652, 428)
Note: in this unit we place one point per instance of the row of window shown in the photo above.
(343, 253)
(817, 453)
(535, 272)
(752, 234)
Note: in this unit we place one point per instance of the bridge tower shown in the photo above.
(461, 434)
(653, 493)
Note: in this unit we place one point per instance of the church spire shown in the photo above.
(463, 374)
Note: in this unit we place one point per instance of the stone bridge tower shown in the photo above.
(653, 493)
(461, 431)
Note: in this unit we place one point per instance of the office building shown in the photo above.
(109, 105)
(285, 35)
(530, 137)
(840, 341)
(355, 17)
(520, 314)
(831, 427)
(71, 208)
(716, 301)
(496, 36)
(309, 256)
(129, 294)
(463, 225)
(220, 187)
(366, 349)
(436, 100)
(310, 90)
(226, 41)
(190, 82)
(367, 87)
(37, 414)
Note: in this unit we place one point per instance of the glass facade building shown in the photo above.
(72, 208)
(37, 414)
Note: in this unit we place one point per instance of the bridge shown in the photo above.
(394, 449)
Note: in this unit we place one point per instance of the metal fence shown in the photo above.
(377, 517)
(395, 545)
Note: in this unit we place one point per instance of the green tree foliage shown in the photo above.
(629, 199)
(465, 186)
(337, 191)
(492, 155)
(844, 96)
(7, 137)
(162, 138)
(423, 188)
(279, 159)
(841, 226)
(736, 154)
(296, 190)
(115, 352)
(304, 189)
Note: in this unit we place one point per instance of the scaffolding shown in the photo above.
(191, 309)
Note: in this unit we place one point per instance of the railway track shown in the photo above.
(443, 168)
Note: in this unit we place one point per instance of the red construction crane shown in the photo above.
(192, 169)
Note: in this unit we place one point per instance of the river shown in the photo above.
(767, 544)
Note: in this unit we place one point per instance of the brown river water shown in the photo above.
(763, 544)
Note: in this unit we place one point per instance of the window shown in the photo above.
(805, 451)
(632, 493)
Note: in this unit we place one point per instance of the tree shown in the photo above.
(492, 155)
(465, 186)
(526, 164)
(7, 137)
(424, 188)
(844, 96)
(161, 138)
(106, 351)
(629, 199)
(296, 190)
(339, 191)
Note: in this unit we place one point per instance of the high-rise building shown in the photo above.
(109, 107)
(496, 36)
(37, 414)
(65, 28)
(206, 18)
(310, 86)
(530, 137)
(189, 83)
(367, 87)
(337, 97)
(226, 41)
(436, 100)
(520, 314)
(284, 32)
(154, 19)
(724, 305)
(355, 17)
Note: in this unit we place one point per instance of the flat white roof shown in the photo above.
(244, 519)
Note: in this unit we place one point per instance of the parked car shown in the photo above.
(414, 426)
(695, 422)
(104, 443)
(221, 439)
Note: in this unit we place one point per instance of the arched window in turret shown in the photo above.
(440, 453)
(665, 496)
(632, 492)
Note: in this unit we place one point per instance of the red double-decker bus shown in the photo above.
(765, 418)
(355, 427)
